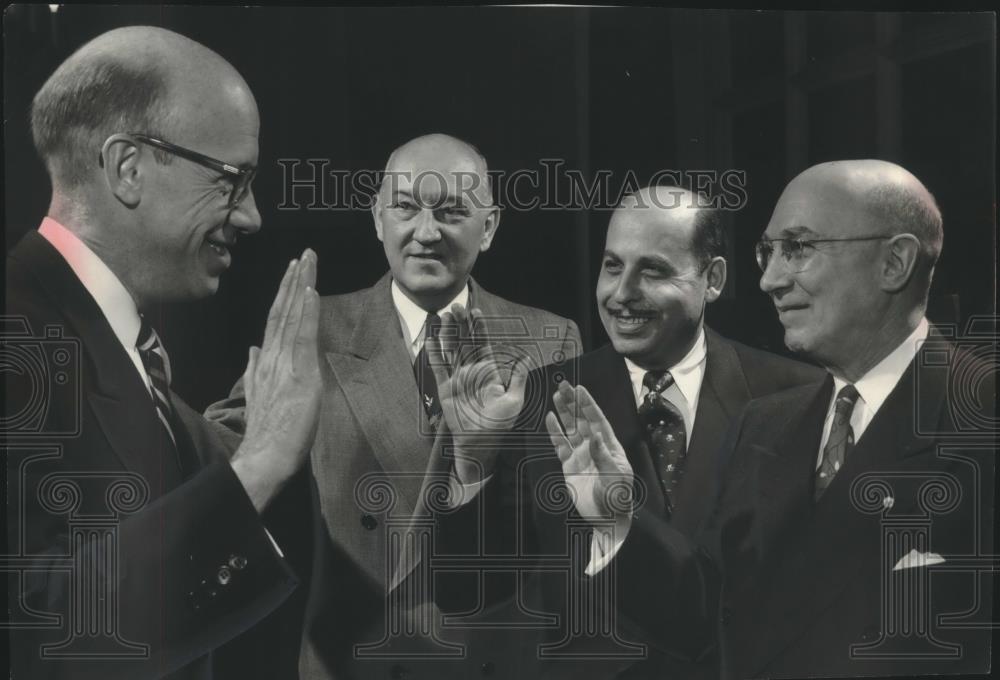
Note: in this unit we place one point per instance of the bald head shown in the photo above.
(133, 79)
(443, 157)
(890, 198)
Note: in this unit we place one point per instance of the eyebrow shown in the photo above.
(798, 230)
(449, 200)
(645, 260)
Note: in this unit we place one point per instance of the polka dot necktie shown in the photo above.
(841, 440)
(665, 433)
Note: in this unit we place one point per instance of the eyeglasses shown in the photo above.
(241, 177)
(797, 254)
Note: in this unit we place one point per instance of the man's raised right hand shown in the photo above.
(283, 387)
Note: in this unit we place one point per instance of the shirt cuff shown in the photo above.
(459, 493)
(605, 542)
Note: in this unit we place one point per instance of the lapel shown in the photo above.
(116, 393)
(605, 375)
(375, 372)
(841, 540)
(437, 459)
(724, 392)
(786, 464)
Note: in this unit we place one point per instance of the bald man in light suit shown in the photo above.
(380, 420)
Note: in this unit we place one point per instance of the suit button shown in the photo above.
(237, 562)
(398, 672)
(223, 576)
(486, 668)
(369, 522)
(727, 615)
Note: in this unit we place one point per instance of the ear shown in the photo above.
(900, 262)
(716, 273)
(377, 215)
(120, 158)
(490, 229)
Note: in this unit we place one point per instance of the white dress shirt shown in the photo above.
(688, 374)
(412, 316)
(110, 294)
(874, 386)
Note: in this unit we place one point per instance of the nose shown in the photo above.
(775, 277)
(627, 289)
(426, 230)
(245, 216)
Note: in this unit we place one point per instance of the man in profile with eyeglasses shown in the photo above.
(852, 511)
(136, 523)
(668, 388)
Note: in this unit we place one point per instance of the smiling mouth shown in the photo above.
(790, 308)
(220, 248)
(631, 318)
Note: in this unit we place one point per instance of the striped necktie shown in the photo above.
(157, 364)
(841, 439)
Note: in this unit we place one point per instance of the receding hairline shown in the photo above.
(469, 149)
(889, 193)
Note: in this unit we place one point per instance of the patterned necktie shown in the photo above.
(157, 364)
(425, 375)
(665, 433)
(841, 439)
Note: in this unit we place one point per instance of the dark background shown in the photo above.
(770, 93)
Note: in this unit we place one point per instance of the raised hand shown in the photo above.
(480, 398)
(594, 463)
(283, 387)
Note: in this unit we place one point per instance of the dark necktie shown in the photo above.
(841, 440)
(424, 374)
(665, 433)
(157, 364)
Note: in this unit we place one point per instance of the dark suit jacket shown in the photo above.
(86, 455)
(734, 374)
(375, 458)
(810, 589)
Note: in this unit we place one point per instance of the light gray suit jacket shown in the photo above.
(375, 463)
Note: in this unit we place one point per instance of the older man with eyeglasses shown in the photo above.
(852, 512)
(135, 522)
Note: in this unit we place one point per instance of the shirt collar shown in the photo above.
(687, 372)
(107, 289)
(875, 385)
(413, 316)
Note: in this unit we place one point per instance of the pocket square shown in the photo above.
(914, 559)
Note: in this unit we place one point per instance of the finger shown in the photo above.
(309, 273)
(306, 338)
(592, 412)
(294, 308)
(448, 344)
(604, 460)
(518, 379)
(435, 357)
(560, 400)
(274, 314)
(559, 442)
(249, 375)
(292, 299)
(306, 282)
